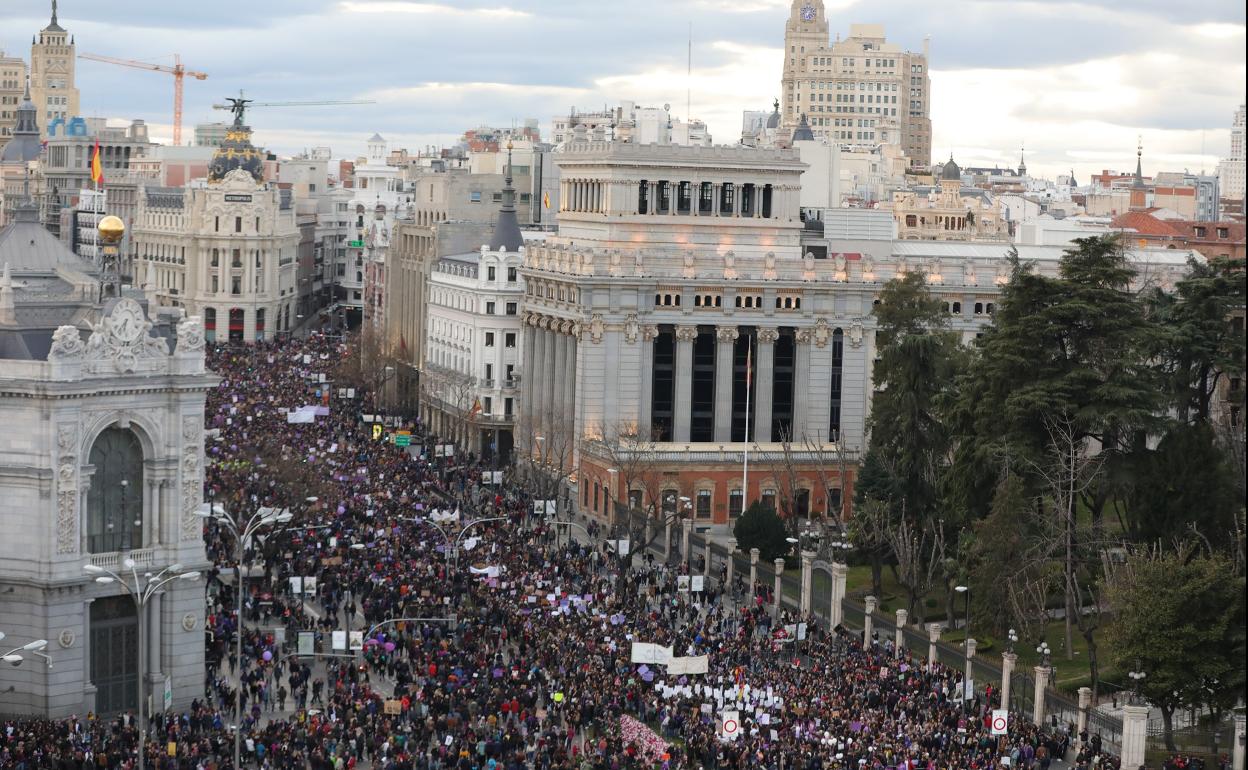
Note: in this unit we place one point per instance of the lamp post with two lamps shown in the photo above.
(1137, 676)
(141, 590)
(242, 530)
(967, 687)
(14, 656)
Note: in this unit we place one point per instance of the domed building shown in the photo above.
(102, 397)
(23, 147)
(948, 211)
(223, 248)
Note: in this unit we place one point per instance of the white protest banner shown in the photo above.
(357, 640)
(697, 664)
(340, 641)
(697, 584)
(730, 724)
(307, 642)
(682, 584)
(1000, 722)
(296, 585)
(621, 547)
(653, 654)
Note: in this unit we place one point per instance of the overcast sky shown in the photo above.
(1076, 81)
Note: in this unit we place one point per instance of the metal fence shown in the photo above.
(1060, 709)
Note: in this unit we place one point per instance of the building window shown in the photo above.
(216, 258)
(835, 503)
(511, 275)
(634, 499)
(490, 273)
(512, 308)
(115, 500)
(489, 308)
(734, 503)
(509, 339)
(489, 339)
(769, 499)
(474, 197)
(489, 405)
(238, 224)
(703, 509)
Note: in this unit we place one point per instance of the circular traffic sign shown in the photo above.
(999, 723)
(730, 726)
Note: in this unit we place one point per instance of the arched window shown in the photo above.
(115, 501)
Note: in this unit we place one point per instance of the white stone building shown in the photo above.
(675, 270)
(222, 248)
(1231, 168)
(948, 212)
(101, 460)
(472, 349)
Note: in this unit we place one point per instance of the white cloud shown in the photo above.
(399, 6)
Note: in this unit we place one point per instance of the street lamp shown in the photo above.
(1012, 639)
(140, 591)
(243, 532)
(967, 691)
(1046, 654)
(14, 657)
(1137, 677)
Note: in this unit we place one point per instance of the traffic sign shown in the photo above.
(731, 726)
(1000, 722)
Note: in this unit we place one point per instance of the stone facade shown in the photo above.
(123, 378)
(675, 271)
(224, 251)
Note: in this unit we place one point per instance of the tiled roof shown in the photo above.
(1144, 224)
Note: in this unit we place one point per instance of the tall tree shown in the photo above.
(1179, 617)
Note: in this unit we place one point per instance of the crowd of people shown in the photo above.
(496, 646)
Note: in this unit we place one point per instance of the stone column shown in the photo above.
(667, 540)
(646, 539)
(1085, 702)
(706, 557)
(779, 597)
(753, 570)
(547, 394)
(686, 527)
(808, 559)
(569, 377)
(724, 338)
(559, 387)
(840, 576)
(731, 568)
(1134, 735)
(763, 382)
(646, 405)
(899, 641)
(1008, 660)
(868, 623)
(527, 383)
(933, 636)
(1042, 686)
(1237, 744)
(802, 389)
(971, 644)
(683, 376)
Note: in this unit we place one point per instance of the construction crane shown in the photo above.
(178, 72)
(240, 105)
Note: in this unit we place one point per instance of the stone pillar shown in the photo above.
(683, 402)
(646, 402)
(646, 538)
(808, 559)
(868, 623)
(801, 377)
(779, 597)
(753, 570)
(686, 527)
(1008, 660)
(840, 576)
(569, 375)
(1237, 744)
(528, 382)
(971, 644)
(1042, 686)
(547, 394)
(667, 540)
(933, 636)
(706, 557)
(763, 383)
(724, 338)
(731, 568)
(1085, 702)
(899, 641)
(1134, 735)
(559, 387)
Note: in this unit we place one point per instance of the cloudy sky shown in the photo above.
(1077, 81)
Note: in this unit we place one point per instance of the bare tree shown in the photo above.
(786, 474)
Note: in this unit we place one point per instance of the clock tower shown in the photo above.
(805, 35)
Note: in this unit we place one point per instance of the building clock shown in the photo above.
(808, 12)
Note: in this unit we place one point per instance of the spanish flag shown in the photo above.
(476, 407)
(97, 170)
(546, 199)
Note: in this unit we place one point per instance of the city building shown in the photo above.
(861, 90)
(649, 125)
(469, 388)
(223, 248)
(678, 269)
(379, 193)
(949, 212)
(1231, 168)
(65, 164)
(18, 161)
(211, 134)
(103, 403)
(1211, 239)
(53, 60)
(12, 85)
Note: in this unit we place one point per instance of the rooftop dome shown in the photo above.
(236, 152)
(773, 120)
(951, 172)
(803, 133)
